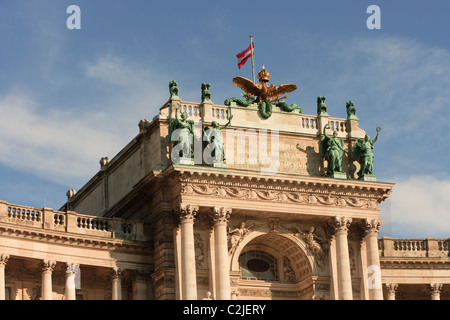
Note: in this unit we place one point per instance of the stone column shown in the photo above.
(46, 286)
(371, 228)
(70, 281)
(342, 225)
(3, 260)
(220, 218)
(116, 276)
(391, 288)
(435, 291)
(187, 215)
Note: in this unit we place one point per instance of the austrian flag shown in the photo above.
(244, 55)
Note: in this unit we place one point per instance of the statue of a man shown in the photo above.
(321, 106)
(185, 141)
(351, 111)
(173, 89)
(206, 94)
(332, 149)
(362, 152)
(214, 139)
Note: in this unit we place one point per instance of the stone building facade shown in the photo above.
(267, 223)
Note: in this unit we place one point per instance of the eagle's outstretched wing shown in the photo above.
(246, 85)
(281, 89)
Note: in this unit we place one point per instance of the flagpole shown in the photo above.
(253, 64)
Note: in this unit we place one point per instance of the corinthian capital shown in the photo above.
(342, 224)
(371, 226)
(3, 259)
(435, 288)
(116, 273)
(220, 214)
(48, 265)
(186, 212)
(391, 287)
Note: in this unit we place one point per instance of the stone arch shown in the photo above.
(284, 243)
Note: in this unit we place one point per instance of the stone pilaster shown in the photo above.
(371, 228)
(3, 260)
(187, 214)
(116, 277)
(220, 218)
(342, 225)
(46, 286)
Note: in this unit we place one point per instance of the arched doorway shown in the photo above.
(273, 266)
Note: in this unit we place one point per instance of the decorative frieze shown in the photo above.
(298, 197)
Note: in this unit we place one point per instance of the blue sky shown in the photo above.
(70, 97)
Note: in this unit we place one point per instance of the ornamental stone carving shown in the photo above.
(48, 265)
(288, 271)
(236, 235)
(3, 259)
(116, 273)
(435, 288)
(316, 240)
(341, 224)
(220, 215)
(371, 226)
(200, 255)
(186, 212)
(246, 193)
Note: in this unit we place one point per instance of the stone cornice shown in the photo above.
(281, 188)
(415, 263)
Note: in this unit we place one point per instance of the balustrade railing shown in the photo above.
(46, 218)
(339, 125)
(309, 124)
(429, 247)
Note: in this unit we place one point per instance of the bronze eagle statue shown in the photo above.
(262, 91)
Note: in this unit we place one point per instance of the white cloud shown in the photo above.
(51, 143)
(113, 70)
(64, 145)
(404, 82)
(419, 207)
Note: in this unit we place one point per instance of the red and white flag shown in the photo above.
(244, 55)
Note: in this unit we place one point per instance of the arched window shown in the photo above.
(258, 265)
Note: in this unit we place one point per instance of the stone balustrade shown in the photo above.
(49, 219)
(429, 247)
(280, 120)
